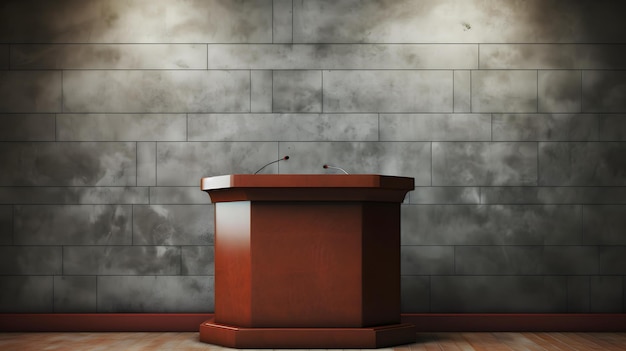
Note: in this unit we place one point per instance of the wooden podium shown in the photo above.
(307, 261)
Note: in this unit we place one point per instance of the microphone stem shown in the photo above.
(339, 168)
(260, 169)
(281, 159)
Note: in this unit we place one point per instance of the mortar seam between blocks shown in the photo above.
(13, 224)
(250, 97)
(581, 91)
(136, 163)
(156, 164)
(432, 163)
(322, 92)
(538, 143)
(378, 140)
(430, 293)
(62, 91)
(471, 97)
(507, 43)
(491, 128)
(53, 276)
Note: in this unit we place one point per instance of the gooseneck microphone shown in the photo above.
(285, 158)
(333, 167)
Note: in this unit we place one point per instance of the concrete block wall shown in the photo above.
(510, 115)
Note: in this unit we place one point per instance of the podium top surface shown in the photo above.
(306, 181)
(307, 187)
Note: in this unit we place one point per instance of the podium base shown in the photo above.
(306, 338)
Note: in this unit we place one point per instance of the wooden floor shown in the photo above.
(434, 341)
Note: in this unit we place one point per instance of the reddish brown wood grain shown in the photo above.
(423, 342)
(304, 257)
(307, 187)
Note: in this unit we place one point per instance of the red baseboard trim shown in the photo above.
(479, 322)
(427, 322)
(102, 322)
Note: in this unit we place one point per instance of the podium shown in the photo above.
(307, 261)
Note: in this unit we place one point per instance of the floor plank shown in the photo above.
(475, 340)
(424, 342)
(518, 342)
(548, 342)
(599, 343)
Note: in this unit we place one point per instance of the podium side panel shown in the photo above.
(381, 263)
(232, 263)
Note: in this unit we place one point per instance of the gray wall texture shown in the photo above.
(509, 114)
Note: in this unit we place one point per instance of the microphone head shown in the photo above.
(325, 166)
(286, 158)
